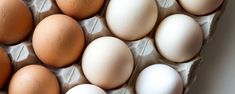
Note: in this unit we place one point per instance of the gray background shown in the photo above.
(217, 73)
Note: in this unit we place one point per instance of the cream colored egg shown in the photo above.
(200, 7)
(159, 79)
(86, 89)
(131, 19)
(179, 38)
(107, 62)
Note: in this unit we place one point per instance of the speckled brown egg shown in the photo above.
(34, 79)
(80, 9)
(5, 67)
(58, 40)
(15, 21)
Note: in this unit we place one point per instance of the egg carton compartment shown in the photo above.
(144, 49)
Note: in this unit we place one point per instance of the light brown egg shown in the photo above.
(80, 9)
(58, 40)
(200, 7)
(34, 79)
(107, 62)
(15, 21)
(5, 67)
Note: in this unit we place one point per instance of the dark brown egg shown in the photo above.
(5, 67)
(15, 21)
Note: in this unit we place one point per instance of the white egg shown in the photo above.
(131, 19)
(159, 79)
(86, 89)
(179, 38)
(107, 62)
(200, 7)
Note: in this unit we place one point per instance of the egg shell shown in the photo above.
(200, 7)
(5, 67)
(58, 40)
(86, 89)
(159, 79)
(179, 38)
(107, 62)
(80, 9)
(131, 19)
(34, 79)
(15, 21)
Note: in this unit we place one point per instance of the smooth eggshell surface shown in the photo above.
(34, 79)
(80, 9)
(131, 19)
(15, 21)
(159, 79)
(179, 38)
(107, 62)
(58, 40)
(200, 7)
(86, 89)
(5, 67)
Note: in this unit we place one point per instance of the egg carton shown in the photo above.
(143, 50)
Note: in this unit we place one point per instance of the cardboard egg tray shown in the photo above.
(144, 50)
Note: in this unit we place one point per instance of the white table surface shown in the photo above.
(217, 73)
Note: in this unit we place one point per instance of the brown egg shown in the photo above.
(80, 9)
(5, 67)
(58, 40)
(15, 21)
(34, 79)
